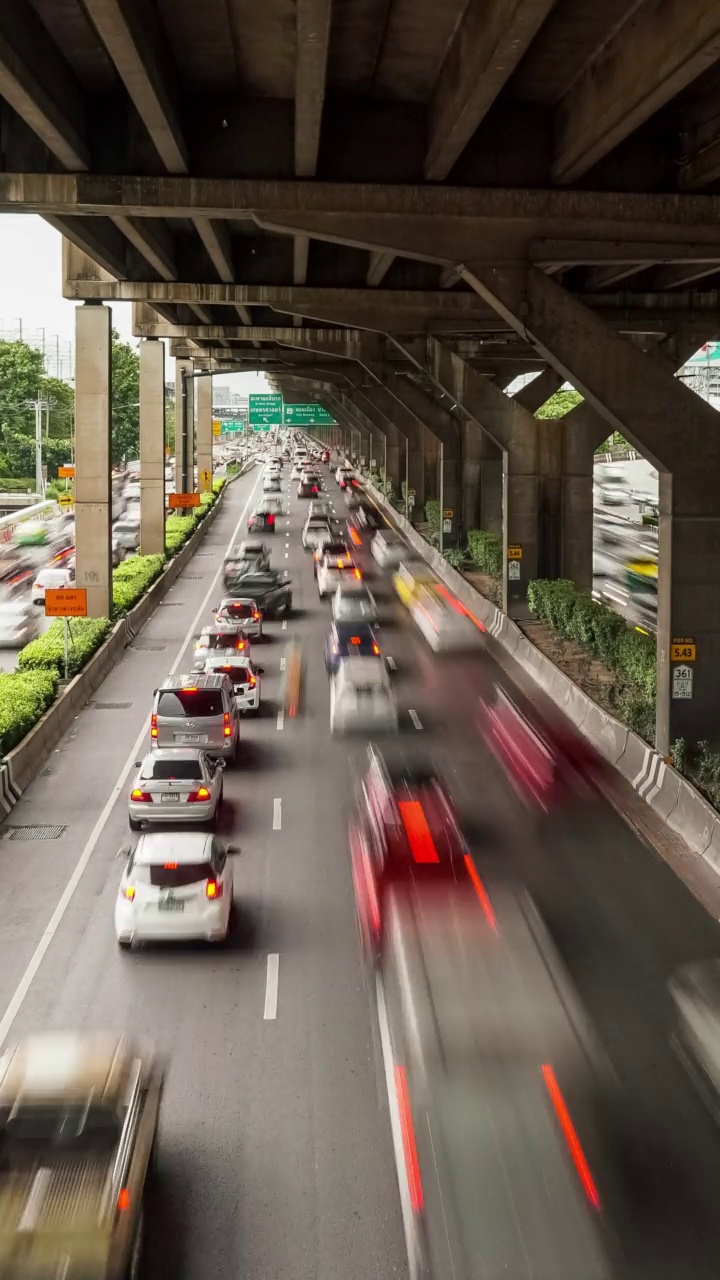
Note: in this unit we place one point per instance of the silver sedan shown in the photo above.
(177, 785)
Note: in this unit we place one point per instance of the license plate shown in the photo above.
(190, 737)
(171, 904)
(170, 798)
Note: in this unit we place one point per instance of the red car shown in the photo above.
(261, 522)
(548, 762)
(406, 832)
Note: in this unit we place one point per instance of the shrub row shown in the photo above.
(47, 653)
(24, 696)
(132, 578)
(485, 551)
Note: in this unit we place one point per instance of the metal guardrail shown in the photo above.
(38, 511)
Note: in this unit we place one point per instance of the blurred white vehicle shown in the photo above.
(332, 571)
(443, 621)
(613, 490)
(361, 698)
(177, 885)
(50, 578)
(351, 605)
(388, 548)
(19, 624)
(695, 990)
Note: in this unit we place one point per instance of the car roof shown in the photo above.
(345, 629)
(71, 1065)
(173, 753)
(155, 847)
(253, 544)
(193, 680)
(223, 657)
(229, 600)
(363, 671)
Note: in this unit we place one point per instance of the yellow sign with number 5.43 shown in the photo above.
(682, 651)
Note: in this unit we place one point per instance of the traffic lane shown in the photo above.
(623, 922)
(77, 779)
(274, 1158)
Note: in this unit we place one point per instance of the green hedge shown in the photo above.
(179, 528)
(485, 551)
(132, 578)
(47, 652)
(9, 484)
(24, 696)
(604, 635)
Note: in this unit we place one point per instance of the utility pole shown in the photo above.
(39, 488)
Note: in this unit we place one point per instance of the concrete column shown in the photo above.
(152, 447)
(410, 438)
(185, 366)
(491, 486)
(203, 393)
(93, 457)
(393, 459)
(432, 466)
(471, 472)
(534, 395)
(441, 424)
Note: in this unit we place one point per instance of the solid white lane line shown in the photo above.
(394, 1109)
(284, 625)
(415, 719)
(271, 987)
(55, 921)
(277, 813)
(280, 720)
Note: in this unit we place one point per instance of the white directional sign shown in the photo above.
(682, 681)
(514, 570)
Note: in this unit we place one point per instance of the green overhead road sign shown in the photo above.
(232, 426)
(308, 415)
(265, 410)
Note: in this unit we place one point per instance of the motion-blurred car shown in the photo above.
(695, 990)
(361, 698)
(409, 576)
(177, 785)
(126, 532)
(388, 548)
(443, 621)
(221, 635)
(272, 484)
(31, 533)
(405, 832)
(50, 578)
(242, 613)
(308, 489)
(548, 762)
(354, 605)
(78, 1124)
(350, 640)
(333, 543)
(270, 591)
(613, 490)
(320, 507)
(262, 520)
(19, 623)
(366, 516)
(244, 674)
(253, 549)
(313, 530)
(196, 710)
(296, 472)
(176, 886)
(330, 573)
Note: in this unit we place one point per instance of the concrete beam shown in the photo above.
(604, 277)
(301, 250)
(97, 240)
(133, 37)
(216, 242)
(680, 277)
(153, 242)
(487, 46)
(38, 84)
(380, 264)
(534, 394)
(649, 60)
(450, 277)
(552, 254)
(312, 18)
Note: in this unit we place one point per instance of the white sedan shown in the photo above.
(19, 624)
(49, 578)
(246, 677)
(177, 886)
(443, 621)
(388, 548)
(361, 698)
(331, 575)
(354, 606)
(175, 784)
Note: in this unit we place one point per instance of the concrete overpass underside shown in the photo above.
(399, 206)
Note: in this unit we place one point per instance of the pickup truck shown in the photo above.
(78, 1118)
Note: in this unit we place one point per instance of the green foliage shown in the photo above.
(17, 453)
(485, 551)
(179, 528)
(125, 398)
(61, 412)
(650, 518)
(614, 441)
(22, 484)
(21, 373)
(132, 578)
(47, 652)
(559, 404)
(604, 635)
(218, 484)
(455, 557)
(704, 771)
(432, 515)
(24, 696)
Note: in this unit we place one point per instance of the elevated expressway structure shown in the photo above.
(398, 206)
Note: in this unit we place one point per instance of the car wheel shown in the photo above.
(134, 824)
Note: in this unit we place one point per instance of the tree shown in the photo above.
(61, 399)
(125, 400)
(559, 404)
(21, 373)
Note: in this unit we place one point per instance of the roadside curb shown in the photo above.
(661, 787)
(21, 765)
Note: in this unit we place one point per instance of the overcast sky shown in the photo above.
(31, 291)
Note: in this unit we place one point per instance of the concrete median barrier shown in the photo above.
(21, 765)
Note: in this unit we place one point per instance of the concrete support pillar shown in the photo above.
(203, 393)
(432, 466)
(445, 428)
(534, 395)
(491, 486)
(93, 457)
(393, 460)
(184, 412)
(152, 447)
(410, 437)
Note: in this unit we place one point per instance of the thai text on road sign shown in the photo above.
(65, 602)
(184, 500)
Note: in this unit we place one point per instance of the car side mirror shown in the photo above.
(137, 764)
(232, 849)
(260, 671)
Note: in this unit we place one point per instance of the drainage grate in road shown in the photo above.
(171, 604)
(147, 646)
(34, 833)
(192, 577)
(108, 706)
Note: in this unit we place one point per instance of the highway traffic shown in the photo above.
(285, 1142)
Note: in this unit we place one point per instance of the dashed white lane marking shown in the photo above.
(284, 625)
(415, 719)
(277, 814)
(286, 554)
(280, 720)
(282, 664)
(392, 664)
(271, 987)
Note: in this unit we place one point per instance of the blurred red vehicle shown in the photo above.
(405, 833)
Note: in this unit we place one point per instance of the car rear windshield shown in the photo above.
(335, 549)
(217, 639)
(35, 1129)
(179, 703)
(173, 875)
(238, 610)
(169, 770)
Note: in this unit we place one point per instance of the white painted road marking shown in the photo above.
(55, 921)
(282, 664)
(395, 1119)
(392, 664)
(277, 813)
(286, 555)
(415, 719)
(281, 720)
(284, 625)
(271, 987)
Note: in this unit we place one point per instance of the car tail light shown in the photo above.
(271, 521)
(129, 892)
(197, 797)
(140, 797)
(376, 650)
(358, 573)
(213, 890)
(191, 688)
(570, 1135)
(242, 644)
(257, 617)
(227, 727)
(153, 727)
(252, 682)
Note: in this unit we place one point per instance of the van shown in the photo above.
(196, 710)
(361, 697)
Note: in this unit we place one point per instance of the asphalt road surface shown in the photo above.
(275, 1154)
